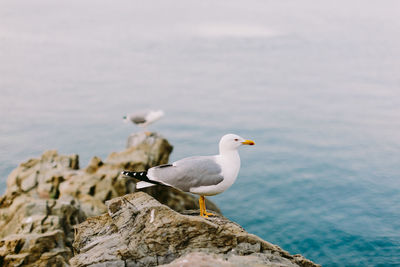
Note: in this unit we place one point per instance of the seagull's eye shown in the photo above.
(236, 139)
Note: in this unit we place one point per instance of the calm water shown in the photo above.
(316, 85)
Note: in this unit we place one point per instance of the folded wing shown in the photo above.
(188, 173)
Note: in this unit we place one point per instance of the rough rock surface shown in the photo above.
(47, 196)
(140, 231)
(40, 231)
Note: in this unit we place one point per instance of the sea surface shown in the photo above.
(315, 84)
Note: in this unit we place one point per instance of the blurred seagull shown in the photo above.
(201, 175)
(144, 118)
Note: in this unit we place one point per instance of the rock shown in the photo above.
(140, 231)
(38, 232)
(47, 197)
(201, 259)
(149, 149)
(40, 177)
(51, 194)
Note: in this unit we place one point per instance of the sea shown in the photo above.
(316, 85)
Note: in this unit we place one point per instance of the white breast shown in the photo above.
(230, 165)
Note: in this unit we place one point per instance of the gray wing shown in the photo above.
(138, 120)
(188, 173)
(139, 117)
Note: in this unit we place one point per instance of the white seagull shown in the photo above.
(201, 175)
(144, 118)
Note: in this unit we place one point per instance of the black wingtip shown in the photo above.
(138, 175)
(126, 173)
(142, 176)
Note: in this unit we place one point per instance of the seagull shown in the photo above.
(201, 175)
(144, 118)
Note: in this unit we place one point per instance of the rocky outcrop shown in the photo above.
(137, 230)
(53, 210)
(47, 196)
(39, 232)
(36, 224)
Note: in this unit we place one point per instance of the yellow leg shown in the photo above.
(203, 211)
(201, 207)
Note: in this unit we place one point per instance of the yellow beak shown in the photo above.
(248, 142)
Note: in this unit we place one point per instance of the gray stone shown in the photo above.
(47, 197)
(143, 232)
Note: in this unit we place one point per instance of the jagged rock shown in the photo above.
(153, 147)
(140, 231)
(40, 178)
(201, 259)
(48, 196)
(51, 194)
(38, 232)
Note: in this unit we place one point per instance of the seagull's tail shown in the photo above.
(142, 176)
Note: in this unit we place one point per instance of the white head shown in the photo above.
(231, 142)
(125, 118)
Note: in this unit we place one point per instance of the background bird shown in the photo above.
(201, 175)
(144, 118)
